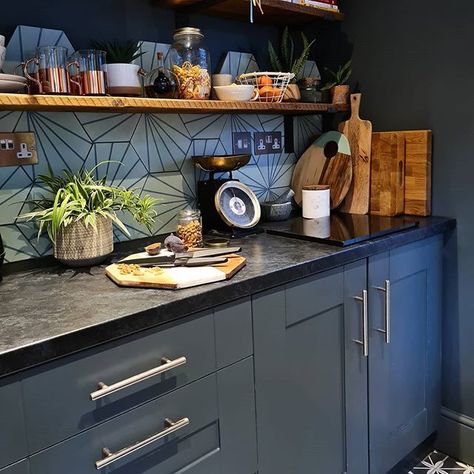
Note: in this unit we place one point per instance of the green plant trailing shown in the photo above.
(119, 52)
(340, 77)
(80, 197)
(287, 62)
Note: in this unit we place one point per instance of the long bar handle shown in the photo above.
(365, 323)
(109, 457)
(166, 365)
(387, 315)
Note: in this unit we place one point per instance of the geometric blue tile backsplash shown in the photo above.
(153, 154)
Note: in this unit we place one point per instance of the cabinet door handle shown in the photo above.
(166, 365)
(365, 323)
(171, 427)
(387, 316)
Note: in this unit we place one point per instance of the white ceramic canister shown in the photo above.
(316, 201)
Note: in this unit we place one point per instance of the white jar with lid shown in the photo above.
(316, 201)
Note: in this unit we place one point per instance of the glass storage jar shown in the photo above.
(189, 228)
(190, 64)
(160, 83)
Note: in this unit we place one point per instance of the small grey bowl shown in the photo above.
(272, 211)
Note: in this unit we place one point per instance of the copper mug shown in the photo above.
(89, 72)
(52, 75)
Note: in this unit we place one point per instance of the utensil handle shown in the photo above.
(72, 77)
(171, 427)
(167, 364)
(201, 262)
(212, 252)
(355, 105)
(31, 78)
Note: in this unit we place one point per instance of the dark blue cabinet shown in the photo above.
(347, 364)
(405, 356)
(310, 376)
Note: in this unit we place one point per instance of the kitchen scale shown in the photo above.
(228, 207)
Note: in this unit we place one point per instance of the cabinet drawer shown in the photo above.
(182, 450)
(61, 391)
(313, 295)
(12, 424)
(17, 468)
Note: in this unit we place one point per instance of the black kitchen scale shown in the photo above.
(228, 207)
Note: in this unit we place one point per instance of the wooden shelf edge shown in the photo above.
(62, 103)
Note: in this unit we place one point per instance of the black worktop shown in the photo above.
(50, 312)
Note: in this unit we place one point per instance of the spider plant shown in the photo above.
(124, 52)
(340, 77)
(80, 197)
(287, 62)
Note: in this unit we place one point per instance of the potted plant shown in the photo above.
(289, 62)
(79, 212)
(123, 78)
(337, 85)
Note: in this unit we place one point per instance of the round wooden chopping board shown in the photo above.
(314, 162)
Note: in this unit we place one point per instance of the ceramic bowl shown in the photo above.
(272, 211)
(221, 80)
(235, 93)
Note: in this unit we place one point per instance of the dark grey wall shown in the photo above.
(133, 19)
(413, 64)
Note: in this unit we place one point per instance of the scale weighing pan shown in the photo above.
(221, 163)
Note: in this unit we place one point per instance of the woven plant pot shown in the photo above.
(80, 246)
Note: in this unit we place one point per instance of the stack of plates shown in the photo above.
(12, 83)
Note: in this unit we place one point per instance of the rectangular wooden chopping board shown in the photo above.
(174, 278)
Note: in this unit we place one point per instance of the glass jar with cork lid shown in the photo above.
(189, 228)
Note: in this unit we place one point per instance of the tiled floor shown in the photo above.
(439, 463)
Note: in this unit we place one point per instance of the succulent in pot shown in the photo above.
(79, 212)
(123, 77)
(337, 84)
(288, 61)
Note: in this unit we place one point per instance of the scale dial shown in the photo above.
(237, 205)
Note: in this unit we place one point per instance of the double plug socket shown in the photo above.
(18, 149)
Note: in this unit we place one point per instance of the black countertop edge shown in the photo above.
(83, 338)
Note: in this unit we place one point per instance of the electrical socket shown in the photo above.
(267, 143)
(18, 149)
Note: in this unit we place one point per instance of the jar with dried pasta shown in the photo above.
(189, 228)
(191, 64)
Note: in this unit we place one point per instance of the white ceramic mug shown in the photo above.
(316, 202)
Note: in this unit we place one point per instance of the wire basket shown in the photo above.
(271, 86)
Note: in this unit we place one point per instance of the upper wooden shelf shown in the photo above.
(275, 11)
(58, 103)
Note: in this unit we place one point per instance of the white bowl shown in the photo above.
(235, 93)
(3, 52)
(222, 80)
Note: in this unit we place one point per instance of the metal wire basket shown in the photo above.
(273, 92)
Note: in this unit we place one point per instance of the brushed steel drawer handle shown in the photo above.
(166, 365)
(365, 323)
(171, 427)
(387, 315)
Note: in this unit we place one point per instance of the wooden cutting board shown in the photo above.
(338, 176)
(387, 185)
(418, 158)
(359, 133)
(175, 278)
(313, 161)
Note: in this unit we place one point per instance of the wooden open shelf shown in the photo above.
(275, 11)
(63, 103)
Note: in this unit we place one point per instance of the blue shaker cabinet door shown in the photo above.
(404, 364)
(300, 363)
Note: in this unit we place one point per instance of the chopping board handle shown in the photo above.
(355, 105)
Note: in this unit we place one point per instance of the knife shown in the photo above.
(194, 258)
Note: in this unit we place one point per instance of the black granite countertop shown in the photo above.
(50, 312)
